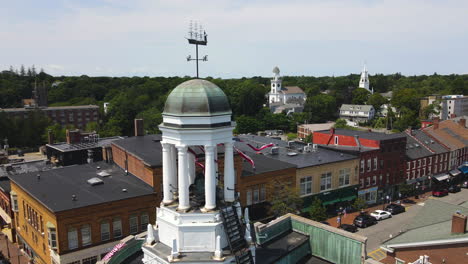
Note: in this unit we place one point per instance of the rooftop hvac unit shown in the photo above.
(314, 147)
(274, 151)
(307, 148)
(95, 181)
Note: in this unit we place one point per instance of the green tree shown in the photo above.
(360, 96)
(321, 108)
(286, 199)
(359, 204)
(308, 138)
(317, 212)
(152, 118)
(246, 124)
(408, 118)
(340, 123)
(380, 122)
(377, 100)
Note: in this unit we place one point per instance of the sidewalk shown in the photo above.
(13, 249)
(349, 218)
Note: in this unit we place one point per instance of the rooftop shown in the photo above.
(294, 154)
(347, 107)
(5, 184)
(364, 134)
(50, 108)
(23, 167)
(429, 142)
(73, 180)
(317, 127)
(292, 90)
(147, 148)
(414, 149)
(451, 134)
(65, 147)
(263, 163)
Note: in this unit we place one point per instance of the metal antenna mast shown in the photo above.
(197, 36)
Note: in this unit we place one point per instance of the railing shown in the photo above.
(132, 245)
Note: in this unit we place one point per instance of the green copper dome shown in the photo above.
(197, 98)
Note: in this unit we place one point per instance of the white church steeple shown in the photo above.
(275, 86)
(364, 81)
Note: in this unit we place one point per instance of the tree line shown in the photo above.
(144, 97)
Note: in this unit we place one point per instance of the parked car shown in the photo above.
(364, 220)
(454, 189)
(440, 192)
(464, 184)
(395, 208)
(349, 228)
(381, 214)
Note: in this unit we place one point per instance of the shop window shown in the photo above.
(105, 231)
(133, 224)
(306, 185)
(144, 221)
(52, 237)
(117, 227)
(72, 238)
(86, 235)
(344, 176)
(325, 181)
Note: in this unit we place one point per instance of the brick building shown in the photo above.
(382, 159)
(78, 116)
(329, 175)
(90, 209)
(454, 136)
(436, 232)
(305, 130)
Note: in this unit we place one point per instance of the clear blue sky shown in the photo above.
(246, 37)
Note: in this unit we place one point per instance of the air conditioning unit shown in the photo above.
(307, 148)
(274, 150)
(314, 147)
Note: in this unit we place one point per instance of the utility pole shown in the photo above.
(197, 36)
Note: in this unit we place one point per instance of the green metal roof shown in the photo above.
(197, 98)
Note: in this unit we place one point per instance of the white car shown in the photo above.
(380, 214)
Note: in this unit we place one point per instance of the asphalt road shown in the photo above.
(383, 230)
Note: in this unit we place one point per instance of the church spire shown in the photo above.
(364, 81)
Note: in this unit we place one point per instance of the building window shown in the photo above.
(374, 180)
(14, 200)
(430, 160)
(256, 195)
(133, 224)
(105, 231)
(325, 181)
(344, 176)
(414, 164)
(407, 176)
(368, 181)
(424, 162)
(117, 227)
(436, 157)
(336, 140)
(262, 192)
(414, 174)
(249, 197)
(72, 238)
(408, 165)
(362, 165)
(86, 235)
(369, 165)
(429, 170)
(375, 163)
(388, 177)
(419, 163)
(52, 238)
(381, 179)
(381, 164)
(90, 260)
(144, 221)
(424, 171)
(362, 183)
(306, 185)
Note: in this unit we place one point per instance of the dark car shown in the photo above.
(454, 188)
(395, 209)
(364, 220)
(440, 192)
(349, 228)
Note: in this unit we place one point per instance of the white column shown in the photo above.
(168, 197)
(191, 168)
(210, 178)
(229, 177)
(173, 165)
(184, 202)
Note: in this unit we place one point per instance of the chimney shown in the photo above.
(90, 158)
(436, 123)
(458, 223)
(50, 136)
(139, 130)
(462, 122)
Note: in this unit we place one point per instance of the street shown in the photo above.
(382, 231)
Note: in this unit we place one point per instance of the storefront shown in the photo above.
(332, 198)
(422, 183)
(369, 195)
(440, 180)
(456, 176)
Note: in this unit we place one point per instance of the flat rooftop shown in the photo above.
(280, 247)
(147, 148)
(65, 147)
(73, 180)
(292, 154)
(364, 134)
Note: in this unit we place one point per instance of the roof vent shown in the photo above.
(103, 173)
(341, 154)
(98, 167)
(432, 141)
(292, 154)
(95, 181)
(73, 197)
(416, 145)
(124, 190)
